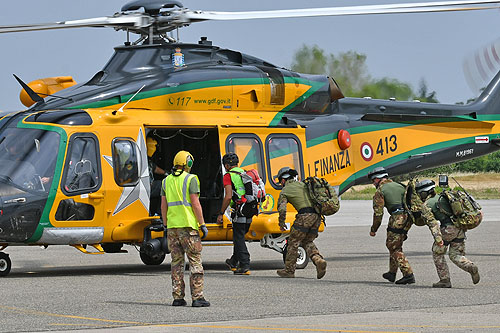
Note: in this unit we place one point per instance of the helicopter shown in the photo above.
(75, 163)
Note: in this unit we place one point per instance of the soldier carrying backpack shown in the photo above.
(244, 190)
(453, 236)
(305, 227)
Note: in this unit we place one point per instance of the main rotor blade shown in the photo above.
(132, 20)
(421, 7)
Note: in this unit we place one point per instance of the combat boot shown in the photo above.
(408, 279)
(320, 264)
(444, 283)
(474, 273)
(391, 277)
(179, 302)
(200, 303)
(284, 274)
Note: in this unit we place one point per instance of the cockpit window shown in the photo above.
(82, 169)
(28, 158)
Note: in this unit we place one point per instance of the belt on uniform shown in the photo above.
(306, 230)
(397, 231)
(456, 240)
(306, 210)
(396, 209)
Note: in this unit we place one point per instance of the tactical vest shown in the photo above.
(180, 212)
(438, 214)
(297, 194)
(393, 195)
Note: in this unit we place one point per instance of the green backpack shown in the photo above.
(323, 196)
(464, 211)
(413, 204)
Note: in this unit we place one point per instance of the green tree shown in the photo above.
(349, 70)
(386, 88)
(424, 95)
(310, 60)
(351, 73)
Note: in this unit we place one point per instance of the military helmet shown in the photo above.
(425, 185)
(231, 159)
(151, 145)
(378, 172)
(184, 159)
(285, 173)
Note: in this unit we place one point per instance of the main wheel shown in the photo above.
(148, 260)
(5, 264)
(302, 258)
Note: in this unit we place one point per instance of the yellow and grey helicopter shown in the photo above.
(74, 165)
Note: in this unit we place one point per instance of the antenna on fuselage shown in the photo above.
(131, 98)
(31, 93)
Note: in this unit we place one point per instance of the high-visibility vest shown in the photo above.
(180, 212)
(237, 182)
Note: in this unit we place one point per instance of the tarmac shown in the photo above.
(59, 289)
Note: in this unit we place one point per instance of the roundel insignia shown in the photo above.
(366, 151)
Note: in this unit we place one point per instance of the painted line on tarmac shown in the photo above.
(41, 313)
(277, 328)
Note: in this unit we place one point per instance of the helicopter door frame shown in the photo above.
(263, 134)
(82, 168)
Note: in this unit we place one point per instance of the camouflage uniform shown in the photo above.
(396, 229)
(185, 241)
(305, 227)
(454, 238)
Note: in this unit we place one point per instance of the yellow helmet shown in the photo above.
(151, 144)
(184, 159)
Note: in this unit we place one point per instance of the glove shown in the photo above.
(204, 231)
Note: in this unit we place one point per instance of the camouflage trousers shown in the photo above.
(303, 232)
(394, 244)
(185, 241)
(456, 253)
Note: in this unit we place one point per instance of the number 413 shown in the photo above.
(387, 144)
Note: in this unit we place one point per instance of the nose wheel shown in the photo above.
(5, 264)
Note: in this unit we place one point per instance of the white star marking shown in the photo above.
(141, 191)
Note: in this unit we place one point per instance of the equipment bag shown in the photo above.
(413, 204)
(464, 211)
(323, 196)
(255, 193)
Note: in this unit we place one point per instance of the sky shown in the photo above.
(407, 47)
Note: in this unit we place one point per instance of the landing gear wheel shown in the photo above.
(112, 247)
(302, 258)
(5, 264)
(148, 260)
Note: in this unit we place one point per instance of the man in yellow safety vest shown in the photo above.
(183, 216)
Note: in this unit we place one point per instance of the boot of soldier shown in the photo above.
(320, 264)
(284, 274)
(391, 277)
(444, 283)
(408, 279)
(474, 273)
(320, 268)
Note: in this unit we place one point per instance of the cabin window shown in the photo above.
(248, 147)
(82, 170)
(125, 162)
(283, 151)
